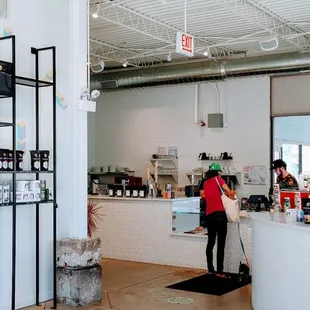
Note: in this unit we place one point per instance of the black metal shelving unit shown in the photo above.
(36, 84)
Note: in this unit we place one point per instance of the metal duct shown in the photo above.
(196, 71)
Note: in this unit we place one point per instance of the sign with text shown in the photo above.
(185, 44)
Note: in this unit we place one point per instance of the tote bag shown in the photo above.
(231, 206)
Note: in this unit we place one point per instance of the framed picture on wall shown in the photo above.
(162, 150)
(173, 151)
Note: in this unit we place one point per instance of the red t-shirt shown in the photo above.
(213, 195)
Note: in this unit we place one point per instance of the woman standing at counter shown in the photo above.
(216, 216)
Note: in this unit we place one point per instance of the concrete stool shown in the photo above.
(79, 275)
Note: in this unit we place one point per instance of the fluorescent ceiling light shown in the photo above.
(269, 44)
(97, 65)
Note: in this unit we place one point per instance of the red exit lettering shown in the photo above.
(187, 43)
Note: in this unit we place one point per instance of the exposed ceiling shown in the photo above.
(143, 32)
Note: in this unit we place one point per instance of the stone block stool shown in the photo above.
(79, 275)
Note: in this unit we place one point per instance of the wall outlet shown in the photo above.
(87, 105)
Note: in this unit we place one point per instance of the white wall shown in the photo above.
(130, 125)
(91, 140)
(44, 23)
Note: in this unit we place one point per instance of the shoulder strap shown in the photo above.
(218, 183)
(242, 246)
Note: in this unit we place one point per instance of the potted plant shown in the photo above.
(93, 216)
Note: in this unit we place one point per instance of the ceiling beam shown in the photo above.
(256, 14)
(114, 53)
(145, 25)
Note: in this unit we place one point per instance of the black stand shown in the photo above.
(10, 92)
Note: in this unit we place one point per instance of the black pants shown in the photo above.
(217, 226)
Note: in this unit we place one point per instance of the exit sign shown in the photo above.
(185, 44)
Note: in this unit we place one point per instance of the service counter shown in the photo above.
(152, 231)
(280, 262)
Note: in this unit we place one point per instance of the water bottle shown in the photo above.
(297, 200)
(299, 215)
(301, 183)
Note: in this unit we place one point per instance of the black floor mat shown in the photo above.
(210, 284)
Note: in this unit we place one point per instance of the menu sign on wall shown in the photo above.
(254, 175)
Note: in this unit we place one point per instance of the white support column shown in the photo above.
(78, 37)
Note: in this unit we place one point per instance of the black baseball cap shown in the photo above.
(279, 163)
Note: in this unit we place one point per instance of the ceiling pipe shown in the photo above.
(197, 71)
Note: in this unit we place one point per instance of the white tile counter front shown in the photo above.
(281, 260)
(138, 229)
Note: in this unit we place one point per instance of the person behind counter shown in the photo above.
(284, 179)
(216, 216)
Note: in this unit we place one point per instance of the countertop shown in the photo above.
(279, 219)
(102, 197)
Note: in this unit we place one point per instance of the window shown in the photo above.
(290, 154)
(277, 154)
(305, 159)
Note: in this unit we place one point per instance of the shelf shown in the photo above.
(173, 161)
(26, 203)
(214, 159)
(4, 124)
(9, 82)
(110, 173)
(23, 81)
(166, 174)
(163, 159)
(5, 95)
(183, 234)
(25, 172)
(195, 175)
(198, 174)
(231, 177)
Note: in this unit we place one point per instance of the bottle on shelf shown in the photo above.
(128, 191)
(111, 191)
(119, 191)
(135, 192)
(299, 211)
(142, 191)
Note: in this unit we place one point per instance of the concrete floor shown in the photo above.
(136, 286)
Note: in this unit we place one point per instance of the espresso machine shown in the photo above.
(93, 184)
(192, 190)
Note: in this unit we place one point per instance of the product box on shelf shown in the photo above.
(4, 159)
(7, 159)
(19, 160)
(39, 160)
(35, 160)
(26, 196)
(26, 191)
(10, 166)
(44, 160)
(1, 159)
(5, 193)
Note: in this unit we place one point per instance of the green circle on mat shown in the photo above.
(180, 300)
